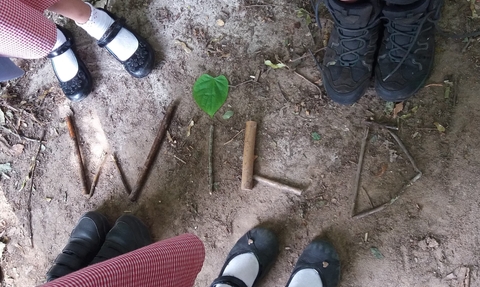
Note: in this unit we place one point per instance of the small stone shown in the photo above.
(220, 23)
(325, 264)
(250, 241)
(48, 199)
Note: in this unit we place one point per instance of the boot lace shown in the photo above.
(412, 31)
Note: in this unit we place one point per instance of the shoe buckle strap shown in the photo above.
(62, 49)
(111, 32)
(229, 280)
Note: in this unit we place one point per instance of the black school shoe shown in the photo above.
(128, 234)
(80, 86)
(85, 241)
(263, 244)
(348, 61)
(406, 54)
(321, 256)
(140, 64)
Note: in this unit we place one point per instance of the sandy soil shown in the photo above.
(429, 237)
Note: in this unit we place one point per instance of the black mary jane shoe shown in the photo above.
(140, 64)
(80, 86)
(128, 234)
(321, 256)
(84, 243)
(263, 244)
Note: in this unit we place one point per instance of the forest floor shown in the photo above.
(427, 237)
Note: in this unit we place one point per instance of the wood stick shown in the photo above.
(97, 175)
(210, 160)
(405, 150)
(249, 155)
(152, 155)
(359, 168)
(78, 155)
(278, 185)
(122, 174)
(32, 174)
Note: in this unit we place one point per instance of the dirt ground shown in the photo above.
(428, 237)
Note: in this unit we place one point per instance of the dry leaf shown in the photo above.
(398, 108)
(184, 46)
(169, 137)
(14, 150)
(383, 169)
(440, 128)
(189, 129)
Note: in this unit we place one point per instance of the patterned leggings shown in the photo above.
(24, 30)
(173, 262)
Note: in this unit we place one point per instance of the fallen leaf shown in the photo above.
(383, 169)
(447, 92)
(14, 150)
(5, 167)
(389, 106)
(275, 66)
(227, 115)
(189, 129)
(376, 252)
(302, 13)
(45, 93)
(440, 128)
(220, 23)
(169, 137)
(316, 136)
(398, 108)
(184, 46)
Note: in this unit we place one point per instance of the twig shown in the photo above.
(368, 196)
(31, 173)
(179, 159)
(122, 175)
(403, 189)
(407, 153)
(78, 155)
(469, 40)
(152, 155)
(278, 185)
(234, 137)
(281, 91)
(360, 167)
(242, 83)
(97, 175)
(433, 85)
(306, 56)
(19, 136)
(259, 5)
(312, 83)
(371, 211)
(375, 124)
(210, 159)
(455, 92)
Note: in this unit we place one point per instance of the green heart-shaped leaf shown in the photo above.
(210, 93)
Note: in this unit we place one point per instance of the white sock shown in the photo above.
(244, 266)
(306, 277)
(123, 45)
(66, 65)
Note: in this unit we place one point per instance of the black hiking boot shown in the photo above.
(85, 241)
(406, 54)
(128, 234)
(348, 61)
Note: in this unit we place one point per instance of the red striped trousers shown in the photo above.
(173, 262)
